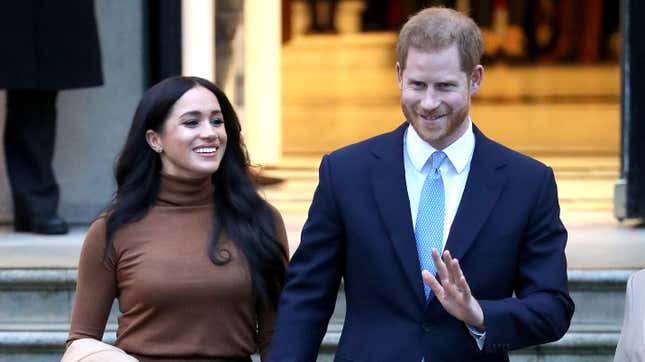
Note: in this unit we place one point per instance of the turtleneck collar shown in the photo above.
(180, 191)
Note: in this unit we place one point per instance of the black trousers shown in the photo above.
(29, 140)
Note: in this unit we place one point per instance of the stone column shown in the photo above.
(262, 90)
(6, 208)
(629, 198)
(198, 38)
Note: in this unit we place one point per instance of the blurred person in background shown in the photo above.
(49, 46)
(329, 23)
(502, 25)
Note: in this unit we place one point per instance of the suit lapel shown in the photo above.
(387, 173)
(483, 187)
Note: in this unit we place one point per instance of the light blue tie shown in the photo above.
(429, 226)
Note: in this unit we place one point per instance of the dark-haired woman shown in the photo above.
(194, 255)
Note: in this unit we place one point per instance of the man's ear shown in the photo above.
(154, 141)
(399, 75)
(476, 77)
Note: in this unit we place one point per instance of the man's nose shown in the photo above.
(430, 100)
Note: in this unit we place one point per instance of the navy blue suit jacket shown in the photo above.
(507, 235)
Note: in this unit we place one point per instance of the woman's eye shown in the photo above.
(217, 121)
(191, 123)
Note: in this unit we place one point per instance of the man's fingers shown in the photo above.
(432, 282)
(452, 268)
(453, 281)
(463, 286)
(440, 265)
(446, 256)
(455, 269)
(460, 279)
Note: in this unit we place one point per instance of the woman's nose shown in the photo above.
(207, 130)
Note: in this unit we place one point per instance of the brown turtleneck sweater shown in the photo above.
(173, 301)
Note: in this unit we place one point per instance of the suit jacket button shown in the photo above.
(426, 326)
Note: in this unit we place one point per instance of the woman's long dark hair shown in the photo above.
(240, 213)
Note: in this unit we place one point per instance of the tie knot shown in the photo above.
(436, 159)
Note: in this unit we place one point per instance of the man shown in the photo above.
(384, 207)
(50, 46)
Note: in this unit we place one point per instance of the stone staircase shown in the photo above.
(35, 306)
(35, 310)
(37, 277)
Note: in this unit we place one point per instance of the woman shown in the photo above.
(631, 345)
(195, 256)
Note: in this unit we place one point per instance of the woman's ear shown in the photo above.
(154, 141)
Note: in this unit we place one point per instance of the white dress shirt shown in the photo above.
(454, 172)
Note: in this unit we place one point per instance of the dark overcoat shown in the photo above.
(49, 45)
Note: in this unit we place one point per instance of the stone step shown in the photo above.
(337, 90)
(35, 307)
(38, 297)
(583, 181)
(45, 297)
(528, 128)
(349, 65)
(597, 187)
(39, 346)
(573, 347)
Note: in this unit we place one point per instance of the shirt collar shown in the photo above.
(459, 152)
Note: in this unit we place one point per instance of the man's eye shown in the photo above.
(417, 85)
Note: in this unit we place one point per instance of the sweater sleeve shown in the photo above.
(96, 286)
(265, 324)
